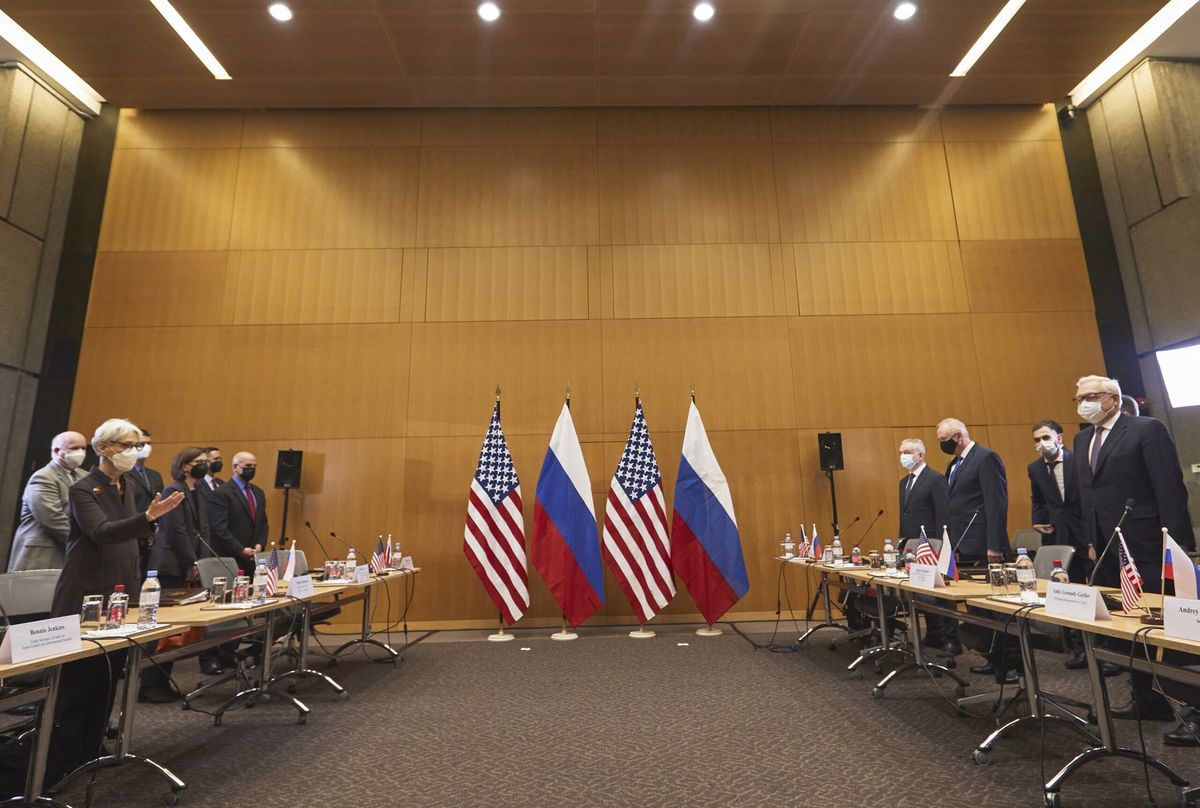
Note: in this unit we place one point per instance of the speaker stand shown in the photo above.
(283, 521)
(832, 496)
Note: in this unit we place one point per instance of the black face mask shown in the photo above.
(198, 471)
(948, 446)
(215, 467)
(247, 473)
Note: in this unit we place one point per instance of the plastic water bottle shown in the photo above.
(350, 563)
(148, 601)
(889, 557)
(789, 546)
(1059, 575)
(910, 557)
(397, 556)
(240, 584)
(1026, 577)
(118, 607)
(259, 593)
(856, 555)
(836, 547)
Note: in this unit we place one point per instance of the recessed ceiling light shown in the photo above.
(280, 11)
(489, 11)
(703, 12)
(185, 32)
(904, 11)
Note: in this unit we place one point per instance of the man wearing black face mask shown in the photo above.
(211, 481)
(146, 483)
(237, 511)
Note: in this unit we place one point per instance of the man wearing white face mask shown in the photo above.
(41, 538)
(924, 495)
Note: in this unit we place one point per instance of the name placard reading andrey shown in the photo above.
(301, 586)
(1075, 600)
(40, 638)
(925, 576)
(1181, 618)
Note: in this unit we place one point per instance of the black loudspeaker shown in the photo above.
(830, 446)
(287, 468)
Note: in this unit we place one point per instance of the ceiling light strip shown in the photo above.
(1130, 50)
(189, 37)
(45, 61)
(987, 37)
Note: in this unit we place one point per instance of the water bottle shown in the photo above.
(148, 601)
(1026, 577)
(789, 546)
(333, 569)
(240, 584)
(348, 565)
(1059, 575)
(397, 556)
(910, 557)
(836, 549)
(118, 607)
(856, 555)
(889, 557)
(259, 593)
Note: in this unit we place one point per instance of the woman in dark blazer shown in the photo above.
(102, 551)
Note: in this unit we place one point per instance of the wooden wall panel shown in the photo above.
(854, 124)
(132, 289)
(508, 127)
(1011, 190)
(684, 125)
(457, 366)
(864, 192)
(507, 283)
(1029, 275)
(325, 198)
(991, 124)
(507, 196)
(169, 199)
(1032, 363)
(179, 129)
(726, 280)
(894, 369)
(879, 278)
(687, 195)
(867, 484)
(739, 367)
(290, 128)
(276, 287)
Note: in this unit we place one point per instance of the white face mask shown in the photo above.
(1048, 448)
(144, 453)
(125, 460)
(1092, 412)
(908, 461)
(73, 459)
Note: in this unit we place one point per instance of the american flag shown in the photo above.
(272, 572)
(1131, 579)
(494, 538)
(379, 559)
(635, 526)
(925, 553)
(803, 548)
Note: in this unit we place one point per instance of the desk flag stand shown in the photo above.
(642, 633)
(566, 633)
(501, 635)
(709, 631)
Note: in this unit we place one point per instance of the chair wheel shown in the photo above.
(170, 798)
(217, 720)
(1052, 800)
(303, 718)
(856, 674)
(345, 694)
(960, 690)
(951, 663)
(981, 757)
(877, 692)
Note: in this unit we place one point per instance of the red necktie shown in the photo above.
(250, 500)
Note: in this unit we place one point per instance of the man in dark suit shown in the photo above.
(1123, 458)
(211, 481)
(925, 504)
(237, 510)
(146, 483)
(1054, 493)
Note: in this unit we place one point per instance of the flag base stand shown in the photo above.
(501, 636)
(642, 633)
(565, 633)
(709, 631)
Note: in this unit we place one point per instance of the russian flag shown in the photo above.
(565, 547)
(816, 544)
(1177, 567)
(946, 563)
(706, 550)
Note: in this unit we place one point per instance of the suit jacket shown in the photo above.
(41, 539)
(102, 549)
(179, 532)
(928, 504)
(229, 518)
(144, 489)
(979, 486)
(1049, 506)
(1137, 461)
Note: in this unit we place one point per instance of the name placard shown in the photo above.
(1075, 600)
(406, 563)
(1181, 618)
(40, 638)
(301, 586)
(362, 573)
(925, 576)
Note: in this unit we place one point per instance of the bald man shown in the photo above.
(237, 512)
(41, 538)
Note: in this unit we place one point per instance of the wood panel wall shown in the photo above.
(356, 283)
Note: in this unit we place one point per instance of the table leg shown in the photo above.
(250, 696)
(302, 669)
(823, 591)
(918, 662)
(365, 637)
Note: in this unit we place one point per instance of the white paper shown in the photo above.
(925, 576)
(301, 586)
(1078, 601)
(40, 638)
(406, 563)
(1181, 618)
(362, 574)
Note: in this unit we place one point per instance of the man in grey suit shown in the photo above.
(41, 538)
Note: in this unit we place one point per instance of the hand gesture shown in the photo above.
(1044, 529)
(162, 506)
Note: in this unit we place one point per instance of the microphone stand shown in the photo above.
(1108, 544)
(870, 526)
(966, 530)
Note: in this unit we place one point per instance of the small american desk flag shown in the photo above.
(1131, 579)
(379, 559)
(272, 572)
(635, 526)
(494, 539)
(925, 553)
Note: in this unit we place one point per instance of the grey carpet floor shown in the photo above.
(675, 721)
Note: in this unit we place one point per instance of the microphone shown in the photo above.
(339, 538)
(873, 521)
(1128, 507)
(308, 525)
(966, 530)
(232, 572)
(837, 533)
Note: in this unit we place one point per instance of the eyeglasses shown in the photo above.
(1091, 397)
(127, 446)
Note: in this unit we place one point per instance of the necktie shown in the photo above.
(1096, 444)
(250, 500)
(908, 486)
(954, 468)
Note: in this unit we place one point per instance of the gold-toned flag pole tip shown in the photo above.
(637, 391)
(693, 386)
(497, 392)
(568, 391)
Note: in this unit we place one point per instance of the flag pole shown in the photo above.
(565, 633)
(642, 632)
(501, 635)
